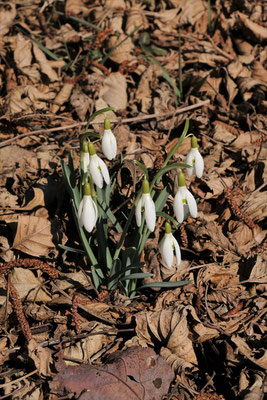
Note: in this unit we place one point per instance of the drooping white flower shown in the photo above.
(194, 158)
(87, 211)
(146, 204)
(97, 168)
(184, 201)
(85, 158)
(168, 245)
(109, 142)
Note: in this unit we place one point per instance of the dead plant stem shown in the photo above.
(123, 121)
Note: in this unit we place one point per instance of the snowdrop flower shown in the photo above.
(194, 158)
(184, 201)
(109, 142)
(87, 211)
(85, 158)
(147, 204)
(168, 245)
(97, 168)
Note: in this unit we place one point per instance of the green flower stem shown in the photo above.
(178, 144)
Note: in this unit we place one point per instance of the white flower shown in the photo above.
(146, 203)
(184, 201)
(194, 158)
(109, 142)
(167, 245)
(86, 161)
(87, 211)
(97, 168)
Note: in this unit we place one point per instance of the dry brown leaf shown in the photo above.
(121, 48)
(169, 327)
(23, 53)
(62, 96)
(37, 201)
(244, 349)
(27, 285)
(136, 19)
(81, 103)
(136, 373)
(44, 64)
(85, 350)
(76, 8)
(114, 91)
(251, 29)
(7, 15)
(33, 236)
(42, 357)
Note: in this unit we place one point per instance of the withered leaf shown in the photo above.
(135, 374)
(33, 236)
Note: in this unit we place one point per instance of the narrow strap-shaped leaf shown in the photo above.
(167, 285)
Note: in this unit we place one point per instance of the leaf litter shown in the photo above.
(60, 62)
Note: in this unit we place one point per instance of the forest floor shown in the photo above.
(161, 65)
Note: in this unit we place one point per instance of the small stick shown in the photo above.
(123, 121)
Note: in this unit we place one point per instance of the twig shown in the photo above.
(123, 121)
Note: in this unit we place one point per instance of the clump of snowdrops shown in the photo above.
(118, 266)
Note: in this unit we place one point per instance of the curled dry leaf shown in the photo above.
(42, 357)
(136, 19)
(7, 15)
(33, 236)
(114, 91)
(62, 96)
(244, 349)
(85, 349)
(76, 7)
(27, 285)
(44, 64)
(81, 103)
(136, 373)
(120, 48)
(22, 53)
(251, 29)
(171, 329)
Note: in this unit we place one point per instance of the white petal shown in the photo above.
(199, 164)
(177, 250)
(166, 249)
(178, 206)
(104, 170)
(189, 160)
(80, 210)
(86, 161)
(89, 215)
(192, 205)
(109, 144)
(138, 209)
(95, 172)
(150, 212)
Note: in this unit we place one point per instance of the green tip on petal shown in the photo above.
(181, 179)
(87, 189)
(106, 123)
(145, 186)
(85, 148)
(91, 149)
(168, 228)
(193, 142)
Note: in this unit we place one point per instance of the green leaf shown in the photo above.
(81, 21)
(96, 113)
(71, 249)
(167, 285)
(138, 275)
(70, 181)
(143, 168)
(44, 49)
